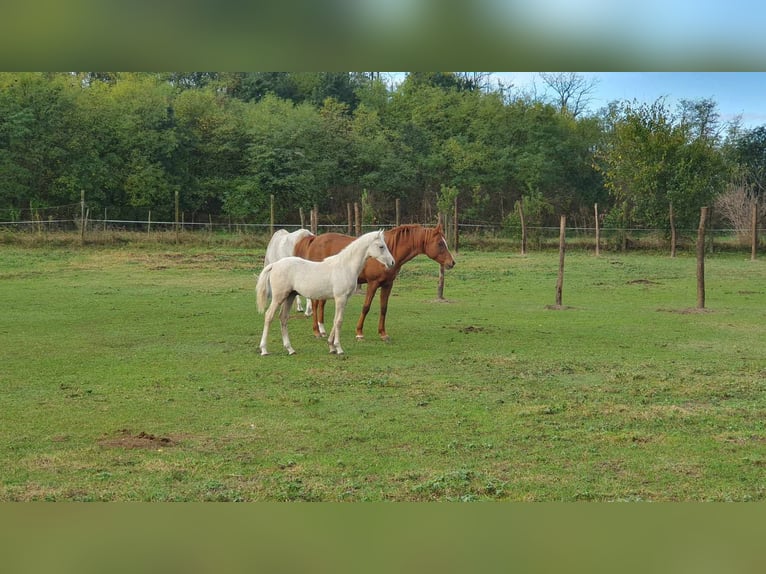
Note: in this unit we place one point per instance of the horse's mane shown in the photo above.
(407, 232)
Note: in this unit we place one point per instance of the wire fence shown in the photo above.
(52, 222)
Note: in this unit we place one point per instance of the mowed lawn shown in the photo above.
(133, 373)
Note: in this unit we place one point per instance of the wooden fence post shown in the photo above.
(754, 232)
(523, 226)
(457, 235)
(271, 215)
(397, 212)
(177, 237)
(82, 216)
(672, 232)
(598, 232)
(440, 285)
(701, 259)
(357, 219)
(562, 248)
(350, 218)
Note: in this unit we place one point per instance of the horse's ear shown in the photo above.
(439, 227)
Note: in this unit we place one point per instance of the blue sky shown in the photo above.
(736, 93)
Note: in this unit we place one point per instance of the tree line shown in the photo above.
(227, 142)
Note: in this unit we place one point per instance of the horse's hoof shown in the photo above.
(360, 337)
(290, 351)
(264, 352)
(332, 351)
(386, 339)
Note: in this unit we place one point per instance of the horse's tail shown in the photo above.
(263, 288)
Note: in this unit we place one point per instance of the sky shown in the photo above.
(736, 93)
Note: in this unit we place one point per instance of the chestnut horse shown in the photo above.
(405, 242)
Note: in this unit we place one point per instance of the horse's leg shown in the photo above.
(268, 317)
(308, 308)
(385, 293)
(283, 317)
(371, 288)
(298, 306)
(319, 329)
(316, 304)
(337, 321)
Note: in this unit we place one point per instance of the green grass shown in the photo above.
(132, 373)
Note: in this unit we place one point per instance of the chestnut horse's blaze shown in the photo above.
(405, 242)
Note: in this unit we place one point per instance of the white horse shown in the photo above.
(335, 278)
(281, 245)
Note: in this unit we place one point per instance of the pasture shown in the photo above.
(133, 373)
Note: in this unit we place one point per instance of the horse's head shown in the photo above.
(379, 250)
(436, 247)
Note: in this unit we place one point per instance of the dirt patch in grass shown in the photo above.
(687, 311)
(471, 329)
(127, 439)
(642, 282)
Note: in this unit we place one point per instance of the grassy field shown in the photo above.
(132, 373)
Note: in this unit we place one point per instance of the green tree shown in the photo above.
(297, 152)
(748, 151)
(212, 145)
(652, 158)
(40, 139)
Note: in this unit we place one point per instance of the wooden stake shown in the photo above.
(701, 259)
(598, 232)
(457, 239)
(562, 248)
(82, 216)
(754, 232)
(271, 215)
(672, 232)
(357, 219)
(440, 286)
(523, 226)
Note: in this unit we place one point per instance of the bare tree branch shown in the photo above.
(574, 91)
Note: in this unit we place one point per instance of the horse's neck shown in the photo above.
(354, 254)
